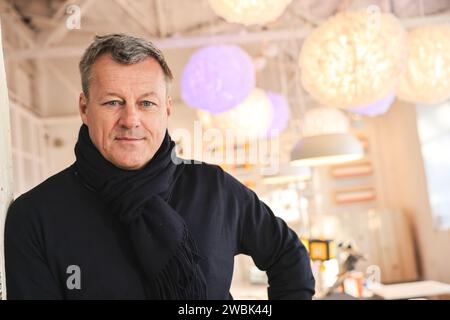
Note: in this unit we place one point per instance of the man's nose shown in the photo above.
(129, 117)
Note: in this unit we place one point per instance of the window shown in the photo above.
(434, 132)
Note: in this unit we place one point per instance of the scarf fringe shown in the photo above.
(182, 278)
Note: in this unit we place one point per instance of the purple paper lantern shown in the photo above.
(280, 114)
(375, 108)
(217, 78)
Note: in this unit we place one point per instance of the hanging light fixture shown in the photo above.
(427, 78)
(325, 139)
(353, 59)
(375, 108)
(217, 78)
(280, 114)
(249, 12)
(326, 149)
(251, 118)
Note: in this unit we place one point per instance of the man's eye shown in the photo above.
(148, 104)
(113, 103)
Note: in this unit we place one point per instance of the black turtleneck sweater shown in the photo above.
(61, 232)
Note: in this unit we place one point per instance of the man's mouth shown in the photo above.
(130, 139)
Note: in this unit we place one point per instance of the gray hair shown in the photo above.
(123, 48)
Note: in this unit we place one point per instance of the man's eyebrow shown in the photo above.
(148, 94)
(113, 94)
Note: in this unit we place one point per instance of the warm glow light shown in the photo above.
(249, 12)
(251, 118)
(353, 59)
(427, 78)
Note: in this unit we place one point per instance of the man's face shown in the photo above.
(127, 110)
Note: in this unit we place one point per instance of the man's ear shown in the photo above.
(169, 106)
(83, 108)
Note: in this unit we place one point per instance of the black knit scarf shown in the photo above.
(167, 253)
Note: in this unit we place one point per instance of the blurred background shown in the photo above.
(346, 102)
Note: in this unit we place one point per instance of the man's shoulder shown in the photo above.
(199, 167)
(28, 211)
(211, 175)
(53, 188)
(203, 172)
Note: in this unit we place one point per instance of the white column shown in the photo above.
(5, 164)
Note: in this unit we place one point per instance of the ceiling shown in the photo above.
(36, 33)
(165, 18)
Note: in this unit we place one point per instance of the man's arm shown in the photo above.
(27, 273)
(276, 248)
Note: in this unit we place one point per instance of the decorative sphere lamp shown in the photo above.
(217, 78)
(251, 118)
(427, 78)
(353, 59)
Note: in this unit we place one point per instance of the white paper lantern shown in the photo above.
(427, 78)
(251, 118)
(353, 59)
(249, 12)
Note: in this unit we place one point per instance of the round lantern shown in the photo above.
(353, 59)
(249, 12)
(217, 78)
(251, 118)
(427, 78)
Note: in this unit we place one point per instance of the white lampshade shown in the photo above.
(251, 118)
(326, 149)
(249, 12)
(353, 59)
(325, 139)
(427, 78)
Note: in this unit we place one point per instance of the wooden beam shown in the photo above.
(57, 34)
(11, 15)
(6, 192)
(160, 18)
(134, 14)
(176, 43)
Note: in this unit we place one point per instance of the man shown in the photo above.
(126, 221)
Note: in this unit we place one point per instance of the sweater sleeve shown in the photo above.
(27, 273)
(275, 248)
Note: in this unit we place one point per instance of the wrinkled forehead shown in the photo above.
(107, 75)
